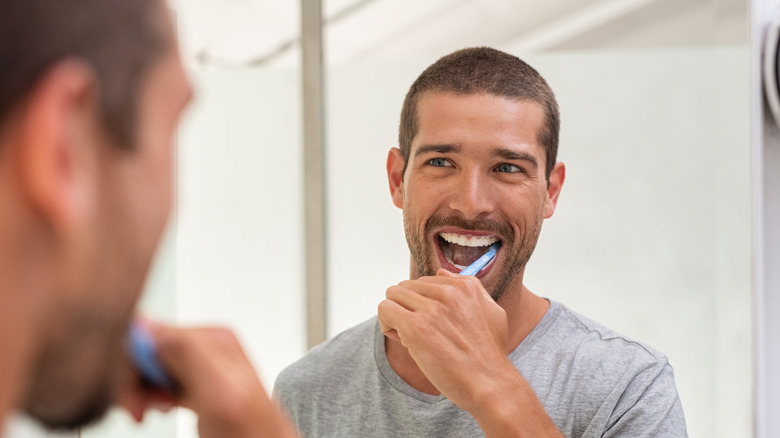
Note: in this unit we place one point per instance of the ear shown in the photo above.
(555, 183)
(57, 157)
(395, 176)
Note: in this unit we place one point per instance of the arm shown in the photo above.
(216, 381)
(457, 335)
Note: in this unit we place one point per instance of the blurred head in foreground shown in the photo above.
(90, 95)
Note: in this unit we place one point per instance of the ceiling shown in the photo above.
(265, 32)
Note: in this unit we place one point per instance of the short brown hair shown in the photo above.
(118, 39)
(489, 71)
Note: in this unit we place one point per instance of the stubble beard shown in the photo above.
(75, 376)
(74, 379)
(423, 254)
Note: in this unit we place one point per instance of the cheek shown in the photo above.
(161, 161)
(151, 198)
(421, 202)
(415, 215)
(524, 212)
(162, 196)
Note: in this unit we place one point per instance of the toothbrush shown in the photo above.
(143, 354)
(481, 262)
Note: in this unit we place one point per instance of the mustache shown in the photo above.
(499, 228)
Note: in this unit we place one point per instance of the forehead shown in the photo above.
(478, 119)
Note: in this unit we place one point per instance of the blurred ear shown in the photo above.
(57, 153)
(557, 176)
(395, 176)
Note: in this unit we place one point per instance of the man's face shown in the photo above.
(77, 377)
(475, 176)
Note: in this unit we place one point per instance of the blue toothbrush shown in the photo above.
(143, 354)
(482, 261)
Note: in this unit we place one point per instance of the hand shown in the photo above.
(216, 381)
(454, 331)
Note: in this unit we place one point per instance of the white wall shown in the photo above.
(239, 246)
(652, 232)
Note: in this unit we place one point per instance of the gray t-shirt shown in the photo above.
(591, 381)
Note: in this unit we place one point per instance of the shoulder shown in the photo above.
(332, 357)
(589, 338)
(617, 383)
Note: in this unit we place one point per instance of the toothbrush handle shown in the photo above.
(482, 261)
(143, 354)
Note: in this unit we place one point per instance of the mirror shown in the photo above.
(652, 233)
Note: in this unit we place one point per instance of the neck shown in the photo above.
(524, 310)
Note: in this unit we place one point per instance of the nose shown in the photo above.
(471, 196)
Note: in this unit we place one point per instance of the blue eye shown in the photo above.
(508, 168)
(439, 162)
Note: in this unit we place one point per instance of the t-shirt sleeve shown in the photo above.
(649, 406)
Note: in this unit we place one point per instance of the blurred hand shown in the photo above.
(216, 381)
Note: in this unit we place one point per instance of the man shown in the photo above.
(90, 95)
(452, 355)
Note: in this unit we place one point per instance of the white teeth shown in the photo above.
(462, 240)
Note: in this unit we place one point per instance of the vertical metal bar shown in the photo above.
(313, 171)
(766, 233)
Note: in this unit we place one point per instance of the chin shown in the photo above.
(74, 380)
(67, 415)
(85, 416)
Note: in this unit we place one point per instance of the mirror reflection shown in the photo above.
(650, 235)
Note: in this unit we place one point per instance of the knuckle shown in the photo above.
(474, 282)
(392, 291)
(423, 329)
(404, 283)
(224, 338)
(173, 341)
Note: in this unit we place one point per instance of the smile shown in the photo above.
(460, 250)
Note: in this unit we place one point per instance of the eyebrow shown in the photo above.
(438, 149)
(508, 154)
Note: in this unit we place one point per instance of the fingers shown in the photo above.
(216, 379)
(405, 296)
(471, 279)
(391, 315)
(445, 273)
(191, 354)
(137, 400)
(442, 287)
(135, 394)
(424, 294)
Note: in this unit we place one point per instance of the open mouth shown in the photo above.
(457, 251)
